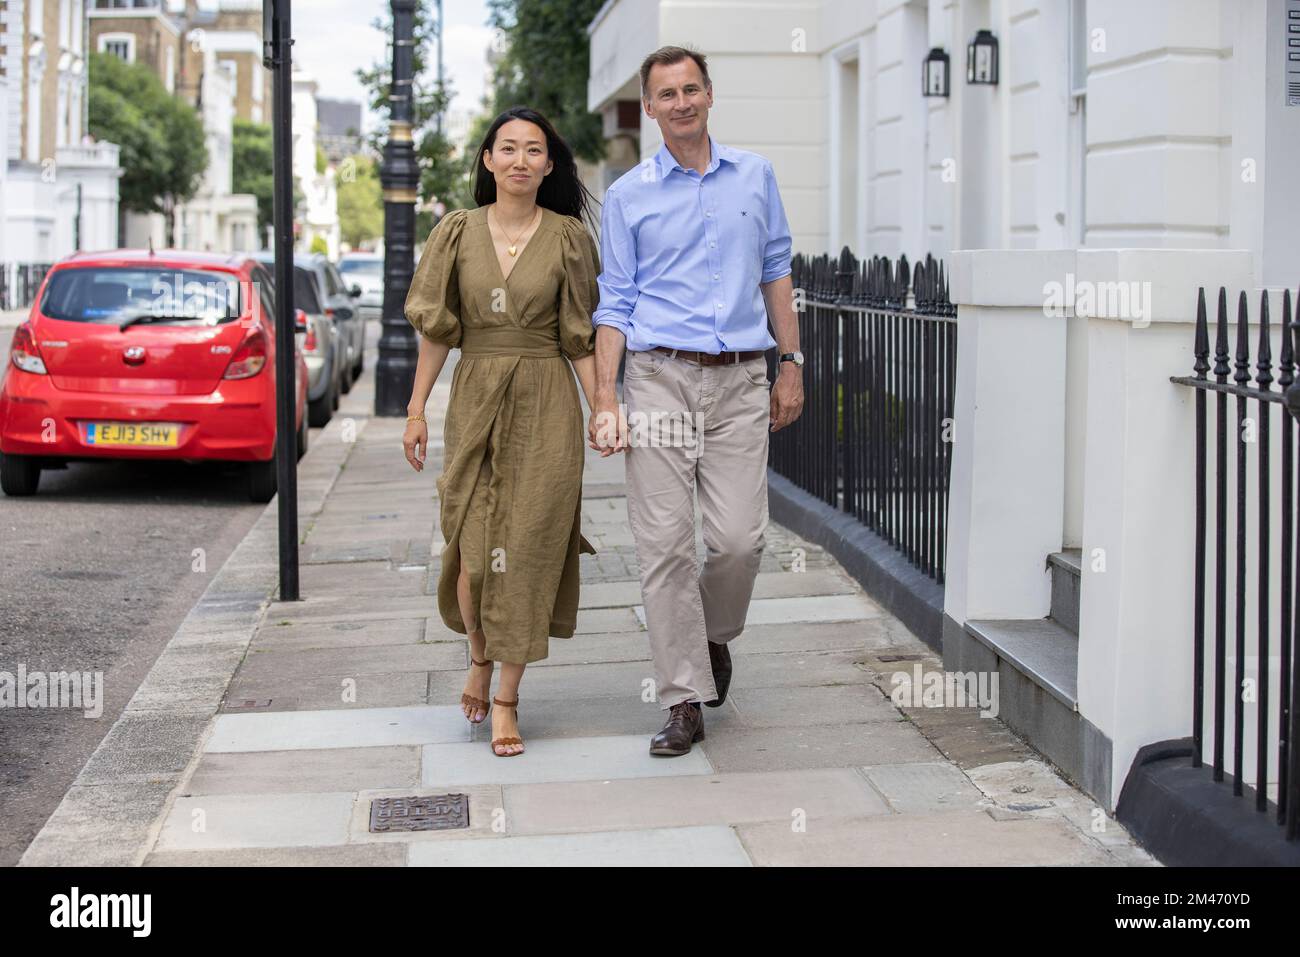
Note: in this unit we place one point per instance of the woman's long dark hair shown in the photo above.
(562, 191)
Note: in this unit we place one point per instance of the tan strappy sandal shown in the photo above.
(509, 740)
(476, 703)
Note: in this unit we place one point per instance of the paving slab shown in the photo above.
(315, 730)
(810, 706)
(925, 786)
(293, 664)
(288, 772)
(327, 693)
(660, 847)
(816, 746)
(689, 801)
(767, 611)
(342, 634)
(256, 820)
(553, 759)
(347, 855)
(947, 839)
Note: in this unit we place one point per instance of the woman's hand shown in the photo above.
(415, 441)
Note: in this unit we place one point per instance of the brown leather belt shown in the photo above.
(710, 358)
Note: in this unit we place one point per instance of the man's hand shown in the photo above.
(607, 429)
(787, 396)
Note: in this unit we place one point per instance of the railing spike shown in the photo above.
(1221, 366)
(1286, 360)
(1264, 354)
(1242, 375)
(1202, 347)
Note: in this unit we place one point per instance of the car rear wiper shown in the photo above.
(144, 317)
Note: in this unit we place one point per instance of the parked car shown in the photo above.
(133, 354)
(340, 305)
(366, 270)
(324, 349)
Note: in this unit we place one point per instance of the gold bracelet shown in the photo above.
(416, 418)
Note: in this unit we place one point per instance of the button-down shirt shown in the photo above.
(683, 254)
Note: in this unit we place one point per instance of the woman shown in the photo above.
(513, 285)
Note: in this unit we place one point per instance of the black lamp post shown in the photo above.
(982, 59)
(934, 73)
(276, 44)
(399, 174)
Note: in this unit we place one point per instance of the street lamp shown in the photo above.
(276, 43)
(934, 73)
(399, 174)
(982, 59)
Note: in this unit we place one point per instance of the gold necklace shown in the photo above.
(513, 247)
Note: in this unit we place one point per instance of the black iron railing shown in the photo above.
(19, 283)
(875, 438)
(1277, 730)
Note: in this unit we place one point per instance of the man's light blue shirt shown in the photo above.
(683, 254)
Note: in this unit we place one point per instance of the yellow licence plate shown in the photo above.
(157, 434)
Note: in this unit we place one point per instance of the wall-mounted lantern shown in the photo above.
(982, 59)
(934, 73)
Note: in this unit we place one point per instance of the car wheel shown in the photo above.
(320, 410)
(360, 365)
(261, 480)
(345, 379)
(334, 391)
(19, 474)
(303, 435)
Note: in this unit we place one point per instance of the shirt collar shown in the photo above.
(717, 154)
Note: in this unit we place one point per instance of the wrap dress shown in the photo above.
(514, 435)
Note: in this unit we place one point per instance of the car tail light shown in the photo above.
(23, 352)
(329, 314)
(249, 357)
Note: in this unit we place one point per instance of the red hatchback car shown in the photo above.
(141, 355)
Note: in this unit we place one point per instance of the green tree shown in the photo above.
(361, 201)
(163, 150)
(545, 65)
(441, 171)
(254, 169)
(319, 245)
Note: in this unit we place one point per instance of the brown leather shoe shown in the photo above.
(720, 659)
(685, 726)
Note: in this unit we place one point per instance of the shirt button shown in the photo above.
(717, 276)
(708, 212)
(713, 245)
(719, 305)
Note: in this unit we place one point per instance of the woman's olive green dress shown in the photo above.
(511, 486)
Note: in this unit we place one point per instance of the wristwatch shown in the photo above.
(795, 357)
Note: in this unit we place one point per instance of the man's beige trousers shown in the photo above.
(695, 429)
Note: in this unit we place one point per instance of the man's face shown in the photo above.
(678, 100)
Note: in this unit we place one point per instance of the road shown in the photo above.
(96, 573)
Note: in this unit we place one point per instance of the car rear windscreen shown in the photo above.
(112, 294)
(362, 267)
(304, 292)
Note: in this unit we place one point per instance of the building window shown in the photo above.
(120, 45)
(171, 70)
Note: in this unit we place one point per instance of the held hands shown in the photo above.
(787, 396)
(607, 428)
(415, 442)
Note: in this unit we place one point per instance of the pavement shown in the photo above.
(266, 730)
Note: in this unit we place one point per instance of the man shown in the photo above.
(695, 251)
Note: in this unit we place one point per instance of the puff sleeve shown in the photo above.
(579, 293)
(433, 301)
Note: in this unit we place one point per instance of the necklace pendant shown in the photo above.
(511, 250)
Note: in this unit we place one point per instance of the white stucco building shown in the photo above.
(1148, 144)
(320, 210)
(58, 189)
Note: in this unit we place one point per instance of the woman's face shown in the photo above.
(518, 159)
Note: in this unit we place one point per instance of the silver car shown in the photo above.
(367, 271)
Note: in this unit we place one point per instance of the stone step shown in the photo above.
(1041, 649)
(1066, 568)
